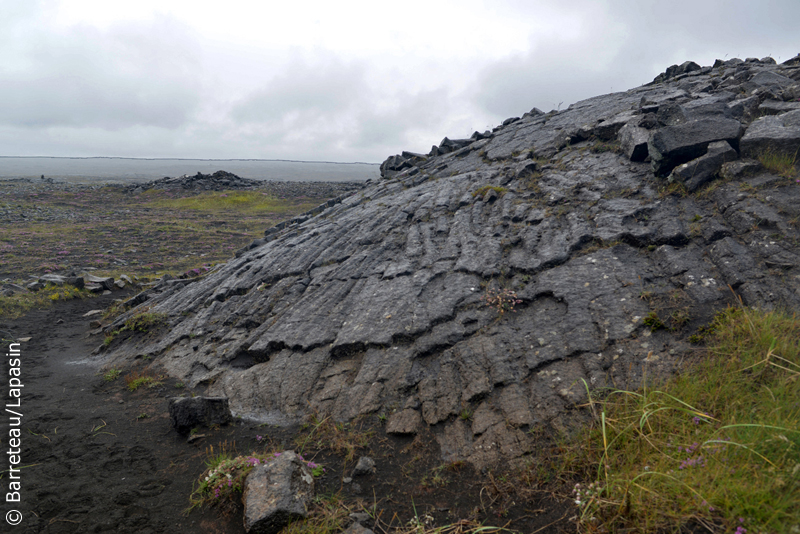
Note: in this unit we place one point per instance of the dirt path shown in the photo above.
(96, 457)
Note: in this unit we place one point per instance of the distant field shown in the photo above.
(129, 170)
(52, 229)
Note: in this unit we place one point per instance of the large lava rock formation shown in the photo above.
(602, 222)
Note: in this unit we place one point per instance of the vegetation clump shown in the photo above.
(503, 300)
(784, 165)
(137, 379)
(481, 191)
(16, 305)
(717, 446)
(223, 480)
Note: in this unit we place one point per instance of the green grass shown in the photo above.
(143, 321)
(112, 374)
(251, 202)
(19, 304)
(783, 165)
(718, 445)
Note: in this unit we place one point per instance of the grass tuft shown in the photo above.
(481, 191)
(339, 437)
(784, 165)
(17, 305)
(136, 379)
(250, 202)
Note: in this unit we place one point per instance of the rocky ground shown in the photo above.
(499, 275)
(99, 457)
(58, 227)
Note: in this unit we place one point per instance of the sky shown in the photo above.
(337, 81)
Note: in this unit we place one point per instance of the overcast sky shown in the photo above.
(337, 81)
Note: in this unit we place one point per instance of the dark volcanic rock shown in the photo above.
(388, 301)
(682, 142)
(219, 181)
(188, 412)
(699, 171)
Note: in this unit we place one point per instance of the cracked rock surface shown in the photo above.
(579, 220)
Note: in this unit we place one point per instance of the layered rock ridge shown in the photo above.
(590, 223)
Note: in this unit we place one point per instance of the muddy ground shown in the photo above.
(97, 457)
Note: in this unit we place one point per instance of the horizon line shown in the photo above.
(198, 159)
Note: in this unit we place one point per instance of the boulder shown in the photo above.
(364, 466)
(358, 528)
(186, 413)
(75, 281)
(400, 162)
(740, 169)
(633, 141)
(608, 129)
(767, 78)
(775, 133)
(677, 70)
(277, 493)
(700, 171)
(777, 107)
(106, 283)
(673, 145)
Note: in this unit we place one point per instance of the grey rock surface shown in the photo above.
(277, 493)
(774, 133)
(407, 421)
(389, 300)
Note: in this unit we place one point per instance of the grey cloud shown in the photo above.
(326, 88)
(628, 45)
(140, 75)
(390, 127)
